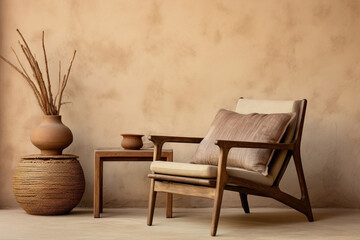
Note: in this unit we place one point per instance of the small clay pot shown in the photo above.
(132, 141)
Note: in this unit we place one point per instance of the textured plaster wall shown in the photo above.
(166, 67)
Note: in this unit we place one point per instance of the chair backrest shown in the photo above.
(247, 106)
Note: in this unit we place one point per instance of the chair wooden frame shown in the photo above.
(214, 188)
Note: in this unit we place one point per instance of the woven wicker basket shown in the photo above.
(48, 185)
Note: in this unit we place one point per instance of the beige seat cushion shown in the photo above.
(207, 171)
(184, 169)
(253, 127)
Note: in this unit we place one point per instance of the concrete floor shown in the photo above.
(130, 223)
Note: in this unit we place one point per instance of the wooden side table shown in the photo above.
(121, 155)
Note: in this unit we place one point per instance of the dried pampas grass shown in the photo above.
(42, 89)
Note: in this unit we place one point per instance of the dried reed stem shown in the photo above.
(37, 94)
(65, 80)
(36, 70)
(37, 75)
(58, 91)
(29, 81)
(52, 107)
(43, 93)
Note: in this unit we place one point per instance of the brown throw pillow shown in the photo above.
(228, 125)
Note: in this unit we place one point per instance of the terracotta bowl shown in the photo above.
(132, 141)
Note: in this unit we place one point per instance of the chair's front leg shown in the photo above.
(152, 200)
(217, 206)
(169, 197)
(220, 185)
(152, 193)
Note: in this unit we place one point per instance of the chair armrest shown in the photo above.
(240, 144)
(162, 139)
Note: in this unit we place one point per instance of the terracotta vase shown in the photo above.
(132, 141)
(51, 136)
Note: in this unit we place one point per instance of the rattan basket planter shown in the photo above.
(48, 185)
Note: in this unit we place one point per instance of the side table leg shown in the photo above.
(97, 177)
(169, 203)
(101, 185)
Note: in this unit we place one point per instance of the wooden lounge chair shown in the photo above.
(210, 181)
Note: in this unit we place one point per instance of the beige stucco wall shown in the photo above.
(166, 67)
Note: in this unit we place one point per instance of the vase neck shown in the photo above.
(52, 118)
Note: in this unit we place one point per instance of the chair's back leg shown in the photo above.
(152, 200)
(169, 203)
(304, 192)
(244, 202)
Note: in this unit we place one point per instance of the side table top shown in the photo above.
(44, 157)
(123, 153)
(127, 150)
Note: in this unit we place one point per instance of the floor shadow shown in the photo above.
(81, 212)
(324, 214)
(115, 213)
(265, 218)
(282, 217)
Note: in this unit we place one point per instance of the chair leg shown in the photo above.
(304, 192)
(244, 202)
(169, 201)
(309, 214)
(216, 210)
(152, 200)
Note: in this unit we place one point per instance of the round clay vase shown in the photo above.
(132, 141)
(51, 136)
(48, 185)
